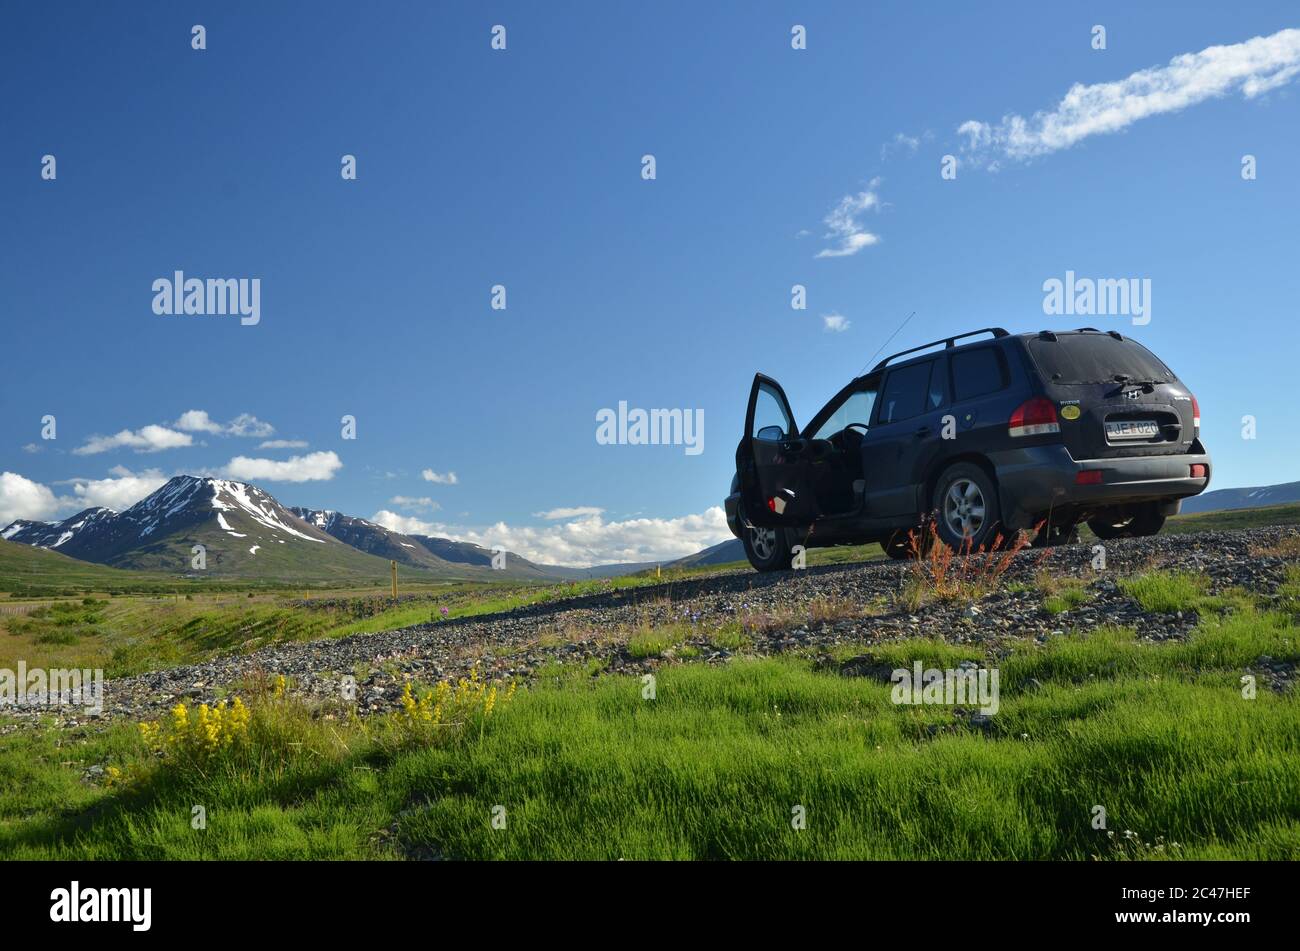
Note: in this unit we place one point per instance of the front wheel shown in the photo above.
(966, 507)
(765, 548)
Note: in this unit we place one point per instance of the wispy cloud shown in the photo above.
(441, 478)
(835, 323)
(283, 444)
(245, 424)
(901, 142)
(1253, 67)
(844, 226)
(576, 511)
(419, 504)
(150, 438)
(313, 467)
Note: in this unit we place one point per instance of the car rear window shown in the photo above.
(977, 372)
(1095, 358)
(906, 392)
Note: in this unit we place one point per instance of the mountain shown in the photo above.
(719, 554)
(87, 524)
(1247, 498)
(244, 531)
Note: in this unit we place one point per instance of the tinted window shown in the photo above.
(856, 408)
(1095, 358)
(769, 410)
(905, 393)
(976, 372)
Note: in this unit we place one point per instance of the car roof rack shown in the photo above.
(948, 343)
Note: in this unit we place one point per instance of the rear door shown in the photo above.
(1113, 396)
(773, 461)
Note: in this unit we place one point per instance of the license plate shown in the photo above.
(1132, 429)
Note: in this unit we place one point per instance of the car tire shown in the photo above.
(766, 548)
(966, 510)
(1147, 520)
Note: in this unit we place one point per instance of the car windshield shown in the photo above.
(856, 408)
(1096, 358)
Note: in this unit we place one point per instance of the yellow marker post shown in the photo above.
(393, 565)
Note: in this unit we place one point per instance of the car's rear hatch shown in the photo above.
(1113, 396)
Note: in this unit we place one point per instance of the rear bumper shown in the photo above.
(1040, 479)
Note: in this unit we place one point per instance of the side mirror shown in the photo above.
(770, 434)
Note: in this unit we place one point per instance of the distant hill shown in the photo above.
(1248, 498)
(244, 531)
(720, 554)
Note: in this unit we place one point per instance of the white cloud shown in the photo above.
(1253, 67)
(898, 143)
(245, 424)
(197, 421)
(441, 478)
(576, 511)
(283, 444)
(421, 503)
(118, 493)
(835, 322)
(151, 438)
(585, 541)
(20, 497)
(313, 467)
(845, 228)
(32, 447)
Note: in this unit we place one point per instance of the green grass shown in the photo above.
(1158, 734)
(1235, 518)
(1164, 592)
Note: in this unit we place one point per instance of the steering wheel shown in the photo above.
(861, 426)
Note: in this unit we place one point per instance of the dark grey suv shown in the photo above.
(1039, 431)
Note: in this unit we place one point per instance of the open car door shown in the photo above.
(776, 485)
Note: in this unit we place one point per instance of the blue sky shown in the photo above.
(522, 168)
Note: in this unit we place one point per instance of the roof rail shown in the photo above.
(948, 342)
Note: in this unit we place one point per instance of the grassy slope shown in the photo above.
(1158, 734)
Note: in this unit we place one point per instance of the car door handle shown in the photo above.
(922, 431)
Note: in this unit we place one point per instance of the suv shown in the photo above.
(1032, 431)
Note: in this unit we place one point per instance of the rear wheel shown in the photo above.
(765, 548)
(966, 507)
(1138, 522)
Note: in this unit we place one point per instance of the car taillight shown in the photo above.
(1034, 417)
(1196, 416)
(1087, 477)
(1199, 470)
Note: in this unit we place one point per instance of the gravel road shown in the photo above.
(810, 610)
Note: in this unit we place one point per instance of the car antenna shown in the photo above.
(886, 343)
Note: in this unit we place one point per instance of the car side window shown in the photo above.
(906, 392)
(977, 373)
(769, 410)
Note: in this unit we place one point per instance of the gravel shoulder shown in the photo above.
(813, 610)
